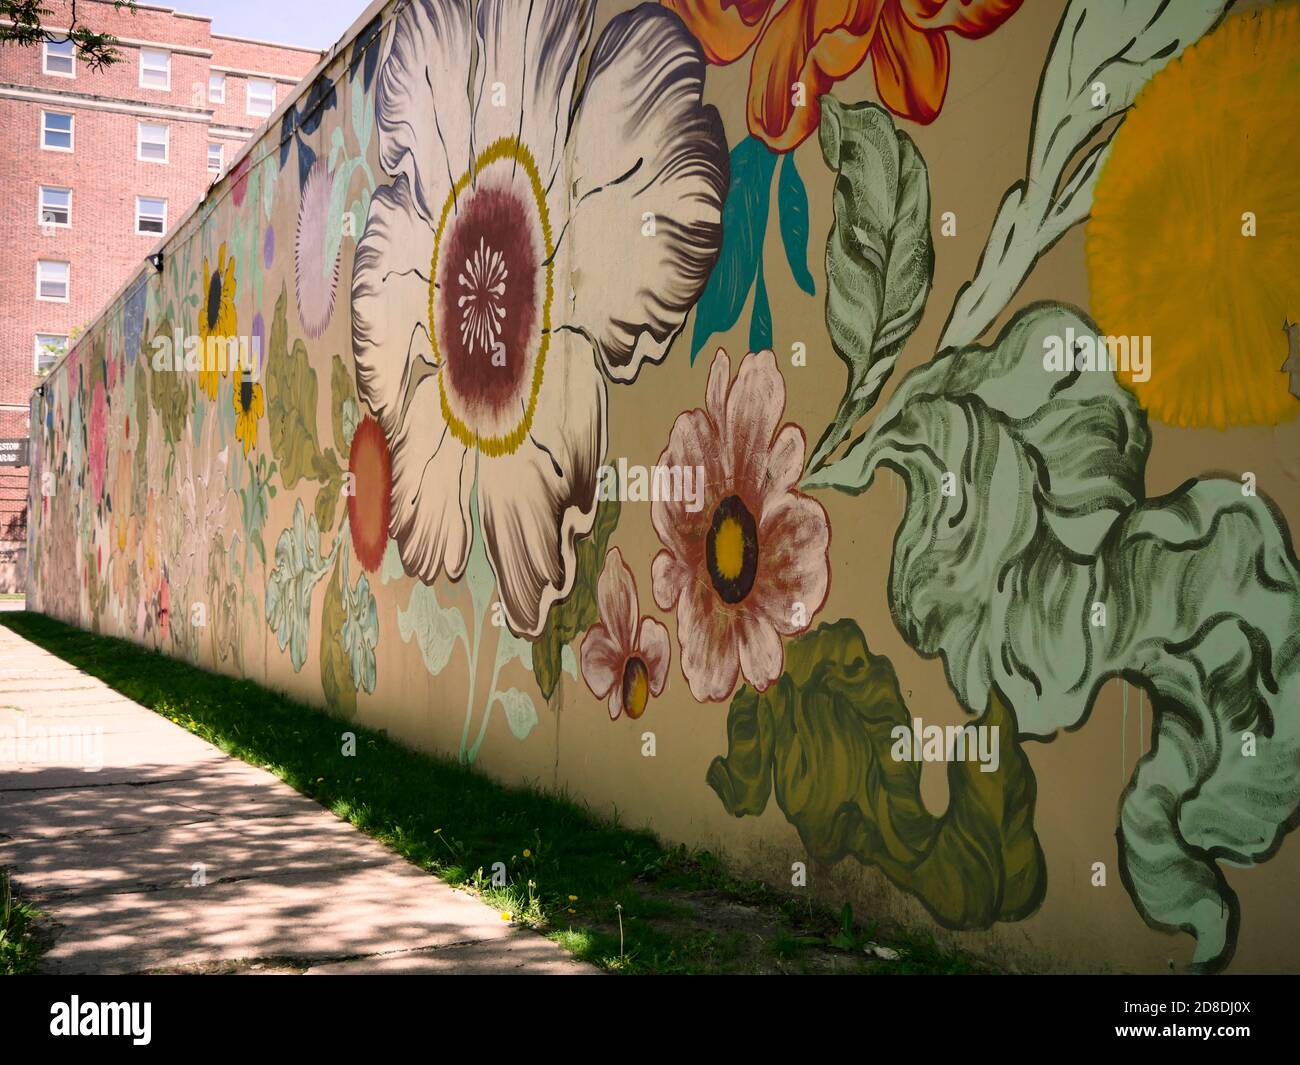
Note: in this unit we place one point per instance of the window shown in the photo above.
(49, 350)
(261, 97)
(55, 206)
(216, 156)
(216, 88)
(155, 69)
(150, 215)
(52, 281)
(60, 59)
(56, 131)
(152, 144)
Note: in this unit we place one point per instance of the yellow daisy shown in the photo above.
(217, 319)
(249, 406)
(1195, 225)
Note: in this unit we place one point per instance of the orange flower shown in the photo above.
(815, 43)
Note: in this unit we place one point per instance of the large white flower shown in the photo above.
(533, 241)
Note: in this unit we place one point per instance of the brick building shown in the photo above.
(94, 168)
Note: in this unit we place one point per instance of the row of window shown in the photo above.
(152, 142)
(60, 59)
(54, 208)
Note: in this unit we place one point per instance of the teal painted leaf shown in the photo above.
(744, 227)
(299, 565)
(792, 209)
(760, 322)
(436, 628)
(879, 259)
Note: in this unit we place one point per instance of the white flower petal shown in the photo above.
(390, 301)
(642, 145)
(537, 500)
(433, 475)
(528, 60)
(422, 101)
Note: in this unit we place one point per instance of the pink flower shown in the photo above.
(624, 656)
(752, 564)
(164, 607)
(98, 440)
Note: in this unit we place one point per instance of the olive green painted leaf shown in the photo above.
(335, 664)
(328, 496)
(342, 390)
(576, 613)
(879, 259)
(821, 739)
(169, 394)
(291, 405)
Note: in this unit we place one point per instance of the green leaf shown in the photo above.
(435, 628)
(579, 611)
(335, 666)
(168, 393)
(792, 209)
(521, 714)
(760, 322)
(821, 741)
(1026, 515)
(299, 565)
(744, 227)
(1097, 44)
(879, 259)
(291, 404)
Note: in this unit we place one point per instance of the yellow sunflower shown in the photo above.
(249, 406)
(1195, 225)
(216, 318)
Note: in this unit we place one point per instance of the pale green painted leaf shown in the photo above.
(435, 628)
(879, 259)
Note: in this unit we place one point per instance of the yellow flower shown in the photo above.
(505, 915)
(573, 898)
(216, 319)
(249, 406)
(527, 853)
(1207, 156)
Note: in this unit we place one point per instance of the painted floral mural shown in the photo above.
(506, 393)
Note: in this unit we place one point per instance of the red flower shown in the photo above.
(371, 500)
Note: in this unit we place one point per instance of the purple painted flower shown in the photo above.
(259, 342)
(268, 247)
(316, 278)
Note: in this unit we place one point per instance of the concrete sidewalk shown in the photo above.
(174, 855)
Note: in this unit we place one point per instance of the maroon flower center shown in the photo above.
(486, 303)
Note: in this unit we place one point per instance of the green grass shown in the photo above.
(19, 949)
(612, 895)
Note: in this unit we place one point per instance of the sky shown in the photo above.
(310, 23)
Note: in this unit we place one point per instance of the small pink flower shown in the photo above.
(164, 607)
(752, 564)
(624, 656)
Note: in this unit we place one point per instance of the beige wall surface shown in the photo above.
(957, 334)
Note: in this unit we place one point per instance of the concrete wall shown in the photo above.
(846, 288)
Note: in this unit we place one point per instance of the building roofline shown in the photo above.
(268, 44)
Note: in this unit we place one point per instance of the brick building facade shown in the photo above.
(95, 166)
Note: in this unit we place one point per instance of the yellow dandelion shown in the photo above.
(527, 853)
(505, 915)
(217, 320)
(573, 898)
(1194, 227)
(249, 407)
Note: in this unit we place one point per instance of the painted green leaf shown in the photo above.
(291, 404)
(335, 668)
(821, 740)
(578, 612)
(360, 633)
(744, 226)
(521, 714)
(436, 628)
(760, 322)
(1101, 56)
(1026, 513)
(792, 209)
(879, 259)
(298, 567)
(169, 394)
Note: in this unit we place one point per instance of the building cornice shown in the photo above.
(92, 102)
